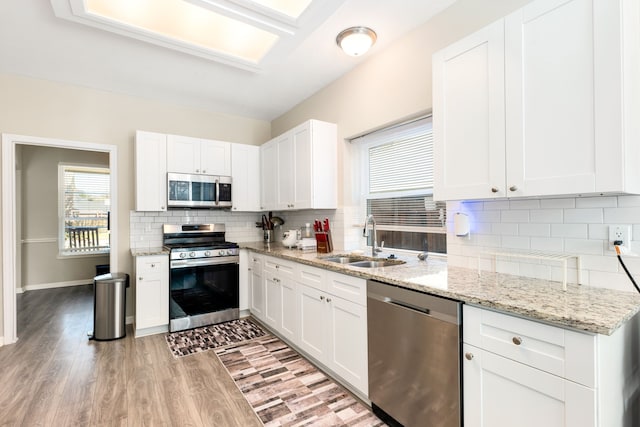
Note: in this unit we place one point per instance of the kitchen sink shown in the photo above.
(376, 264)
(361, 261)
(342, 259)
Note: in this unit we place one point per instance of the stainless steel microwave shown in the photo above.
(198, 191)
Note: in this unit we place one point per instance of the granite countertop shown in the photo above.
(584, 308)
(149, 251)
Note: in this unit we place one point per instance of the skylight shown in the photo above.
(187, 23)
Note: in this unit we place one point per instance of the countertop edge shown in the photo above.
(547, 317)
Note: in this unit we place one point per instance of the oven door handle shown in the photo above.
(185, 263)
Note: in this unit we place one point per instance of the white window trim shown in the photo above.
(376, 139)
(64, 253)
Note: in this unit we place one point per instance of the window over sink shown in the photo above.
(397, 177)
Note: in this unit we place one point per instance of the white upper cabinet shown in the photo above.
(299, 168)
(151, 171)
(468, 116)
(533, 104)
(245, 173)
(198, 156)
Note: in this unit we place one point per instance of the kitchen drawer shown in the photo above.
(351, 288)
(255, 262)
(562, 352)
(279, 266)
(312, 276)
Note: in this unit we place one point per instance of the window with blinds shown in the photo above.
(84, 209)
(398, 165)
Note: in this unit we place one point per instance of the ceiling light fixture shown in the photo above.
(356, 41)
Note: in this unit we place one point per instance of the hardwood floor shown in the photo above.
(55, 376)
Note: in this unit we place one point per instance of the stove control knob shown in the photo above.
(207, 253)
(192, 254)
(183, 255)
(222, 252)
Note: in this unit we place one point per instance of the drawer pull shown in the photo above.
(328, 299)
(321, 297)
(494, 189)
(468, 356)
(517, 340)
(513, 188)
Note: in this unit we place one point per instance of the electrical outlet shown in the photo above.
(620, 232)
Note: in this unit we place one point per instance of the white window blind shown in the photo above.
(397, 165)
(405, 163)
(84, 209)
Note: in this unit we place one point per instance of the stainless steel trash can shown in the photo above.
(109, 306)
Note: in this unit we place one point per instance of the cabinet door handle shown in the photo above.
(161, 208)
(468, 356)
(517, 340)
(249, 269)
(513, 188)
(204, 171)
(328, 299)
(494, 189)
(153, 265)
(139, 278)
(321, 297)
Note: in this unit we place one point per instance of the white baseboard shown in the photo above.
(56, 285)
(19, 290)
(1, 341)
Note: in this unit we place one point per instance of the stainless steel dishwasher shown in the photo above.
(414, 356)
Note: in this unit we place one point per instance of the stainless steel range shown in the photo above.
(203, 275)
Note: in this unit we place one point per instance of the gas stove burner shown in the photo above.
(193, 241)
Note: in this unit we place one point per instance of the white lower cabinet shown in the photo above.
(333, 329)
(519, 372)
(323, 314)
(152, 294)
(280, 302)
(501, 392)
(256, 286)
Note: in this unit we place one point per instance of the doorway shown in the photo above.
(10, 245)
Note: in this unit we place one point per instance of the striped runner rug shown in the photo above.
(285, 389)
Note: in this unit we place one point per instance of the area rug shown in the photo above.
(184, 343)
(286, 390)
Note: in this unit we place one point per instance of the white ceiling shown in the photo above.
(35, 43)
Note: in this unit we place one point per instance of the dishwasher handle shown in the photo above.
(419, 310)
(425, 304)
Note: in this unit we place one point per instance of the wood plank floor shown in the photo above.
(55, 376)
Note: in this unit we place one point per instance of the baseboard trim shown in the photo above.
(56, 285)
(1, 341)
(19, 290)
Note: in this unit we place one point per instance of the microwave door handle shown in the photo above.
(217, 192)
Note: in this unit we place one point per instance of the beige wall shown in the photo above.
(394, 84)
(39, 206)
(52, 110)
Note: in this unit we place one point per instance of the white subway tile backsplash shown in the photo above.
(496, 205)
(597, 202)
(583, 246)
(583, 216)
(627, 215)
(547, 244)
(567, 225)
(538, 230)
(515, 242)
(551, 216)
(598, 231)
(518, 216)
(628, 201)
(569, 230)
(524, 204)
(503, 229)
(557, 203)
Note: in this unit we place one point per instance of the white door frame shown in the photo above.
(9, 243)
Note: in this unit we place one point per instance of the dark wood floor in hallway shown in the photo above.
(55, 376)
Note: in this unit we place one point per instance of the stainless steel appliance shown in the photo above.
(198, 191)
(414, 356)
(203, 275)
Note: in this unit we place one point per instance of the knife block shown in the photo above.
(324, 242)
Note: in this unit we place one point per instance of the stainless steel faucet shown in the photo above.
(374, 247)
